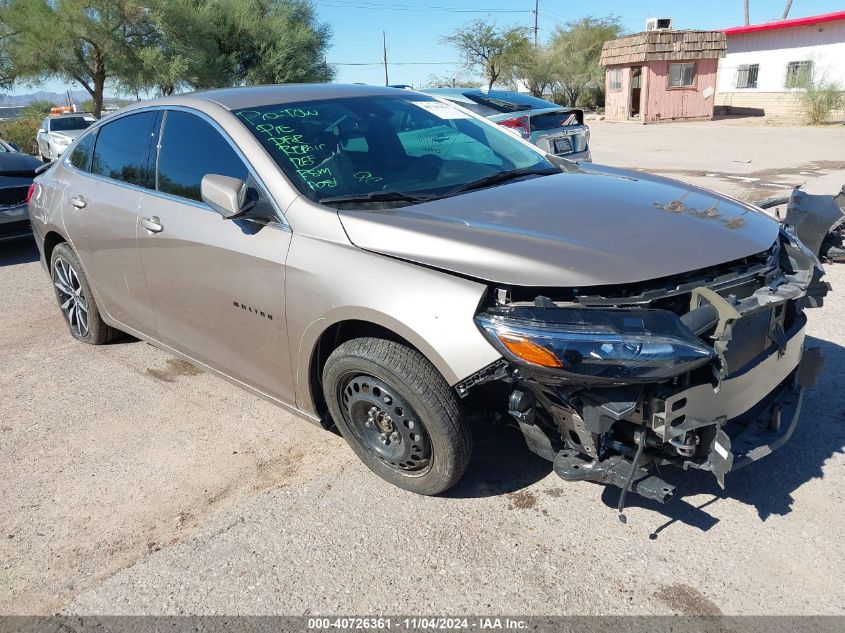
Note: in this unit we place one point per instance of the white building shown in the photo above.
(765, 61)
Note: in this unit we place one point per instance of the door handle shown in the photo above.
(152, 224)
(78, 202)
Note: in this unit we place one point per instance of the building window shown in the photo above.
(614, 79)
(798, 73)
(681, 75)
(746, 76)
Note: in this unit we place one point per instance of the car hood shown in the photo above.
(18, 164)
(587, 226)
(68, 134)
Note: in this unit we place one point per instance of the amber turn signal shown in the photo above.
(529, 351)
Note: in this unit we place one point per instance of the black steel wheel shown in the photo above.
(386, 424)
(398, 414)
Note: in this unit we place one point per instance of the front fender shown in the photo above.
(328, 283)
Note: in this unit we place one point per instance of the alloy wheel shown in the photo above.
(72, 301)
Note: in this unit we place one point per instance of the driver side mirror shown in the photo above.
(224, 194)
(41, 130)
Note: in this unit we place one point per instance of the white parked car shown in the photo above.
(57, 132)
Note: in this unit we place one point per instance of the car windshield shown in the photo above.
(66, 124)
(508, 101)
(407, 147)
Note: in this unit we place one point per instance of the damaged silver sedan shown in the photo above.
(392, 265)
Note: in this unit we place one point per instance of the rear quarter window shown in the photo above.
(82, 153)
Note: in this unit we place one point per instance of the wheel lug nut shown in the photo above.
(394, 437)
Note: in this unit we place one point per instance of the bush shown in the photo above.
(22, 133)
(819, 99)
(36, 109)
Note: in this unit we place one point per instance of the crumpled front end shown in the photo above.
(701, 371)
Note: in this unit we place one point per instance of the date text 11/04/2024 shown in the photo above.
(417, 623)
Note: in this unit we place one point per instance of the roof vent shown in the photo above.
(658, 24)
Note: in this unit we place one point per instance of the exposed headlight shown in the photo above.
(611, 346)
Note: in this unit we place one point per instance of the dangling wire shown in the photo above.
(639, 438)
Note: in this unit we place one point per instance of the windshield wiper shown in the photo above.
(503, 176)
(377, 196)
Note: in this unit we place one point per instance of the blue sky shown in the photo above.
(413, 33)
(414, 27)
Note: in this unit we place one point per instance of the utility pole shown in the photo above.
(786, 10)
(747, 21)
(536, 17)
(384, 49)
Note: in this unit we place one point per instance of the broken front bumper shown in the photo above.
(738, 421)
(769, 425)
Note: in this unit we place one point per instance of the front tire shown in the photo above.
(398, 414)
(76, 301)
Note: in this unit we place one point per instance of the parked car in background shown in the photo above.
(553, 128)
(16, 173)
(376, 259)
(57, 132)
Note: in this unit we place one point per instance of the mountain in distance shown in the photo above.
(55, 98)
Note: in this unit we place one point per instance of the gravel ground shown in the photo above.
(133, 483)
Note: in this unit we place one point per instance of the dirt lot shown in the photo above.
(134, 483)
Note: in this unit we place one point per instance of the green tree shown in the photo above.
(161, 45)
(273, 41)
(538, 68)
(86, 41)
(577, 48)
(493, 51)
(212, 43)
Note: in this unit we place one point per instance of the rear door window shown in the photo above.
(82, 152)
(191, 148)
(122, 149)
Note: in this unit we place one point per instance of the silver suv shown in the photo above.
(391, 264)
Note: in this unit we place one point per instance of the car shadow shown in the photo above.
(500, 463)
(22, 251)
(767, 485)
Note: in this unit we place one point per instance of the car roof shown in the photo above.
(254, 96)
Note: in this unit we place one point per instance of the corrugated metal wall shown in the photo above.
(661, 102)
(616, 103)
(665, 104)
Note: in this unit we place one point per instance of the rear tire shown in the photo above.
(398, 414)
(76, 301)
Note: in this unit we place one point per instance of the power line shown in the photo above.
(555, 14)
(359, 4)
(391, 63)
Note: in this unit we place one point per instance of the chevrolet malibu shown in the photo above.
(389, 264)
